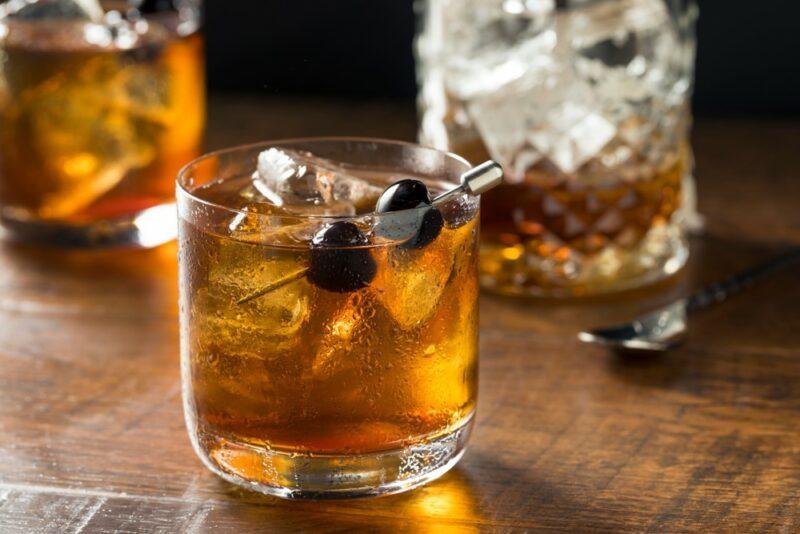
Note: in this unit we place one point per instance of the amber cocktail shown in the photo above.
(98, 112)
(328, 349)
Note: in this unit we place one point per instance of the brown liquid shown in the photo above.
(88, 133)
(302, 369)
(547, 231)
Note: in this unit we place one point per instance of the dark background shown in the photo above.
(748, 60)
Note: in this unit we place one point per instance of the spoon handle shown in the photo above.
(719, 291)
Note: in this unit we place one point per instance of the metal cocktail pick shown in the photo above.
(474, 182)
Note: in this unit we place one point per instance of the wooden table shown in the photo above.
(569, 436)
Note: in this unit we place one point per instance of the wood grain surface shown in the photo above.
(569, 437)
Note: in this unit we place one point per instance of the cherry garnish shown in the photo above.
(411, 194)
(335, 265)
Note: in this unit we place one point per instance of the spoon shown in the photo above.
(666, 327)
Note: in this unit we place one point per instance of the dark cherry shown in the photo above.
(335, 267)
(430, 227)
(408, 195)
(403, 195)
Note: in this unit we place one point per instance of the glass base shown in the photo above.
(320, 476)
(147, 228)
(519, 271)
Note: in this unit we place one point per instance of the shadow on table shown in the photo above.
(508, 498)
(449, 502)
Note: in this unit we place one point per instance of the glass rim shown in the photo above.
(160, 28)
(187, 168)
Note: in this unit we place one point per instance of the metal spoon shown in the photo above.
(666, 327)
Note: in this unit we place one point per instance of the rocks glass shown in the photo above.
(327, 350)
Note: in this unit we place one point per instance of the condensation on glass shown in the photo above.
(312, 389)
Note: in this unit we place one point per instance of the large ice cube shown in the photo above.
(304, 184)
(624, 48)
(91, 124)
(345, 334)
(484, 45)
(410, 282)
(243, 267)
(261, 223)
(549, 115)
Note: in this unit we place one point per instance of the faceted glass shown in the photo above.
(100, 106)
(585, 103)
(308, 390)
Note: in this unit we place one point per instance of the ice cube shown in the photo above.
(90, 129)
(410, 282)
(262, 223)
(484, 45)
(101, 28)
(114, 30)
(342, 331)
(623, 46)
(548, 116)
(242, 267)
(242, 331)
(571, 135)
(276, 175)
(302, 183)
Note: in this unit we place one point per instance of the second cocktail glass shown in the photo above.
(101, 103)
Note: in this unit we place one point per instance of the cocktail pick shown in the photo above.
(474, 182)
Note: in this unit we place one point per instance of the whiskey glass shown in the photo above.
(336, 371)
(101, 103)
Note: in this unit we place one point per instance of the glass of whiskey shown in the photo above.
(101, 103)
(585, 104)
(329, 314)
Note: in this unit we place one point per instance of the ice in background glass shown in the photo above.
(101, 103)
(585, 104)
(357, 372)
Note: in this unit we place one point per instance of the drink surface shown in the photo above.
(307, 370)
(91, 131)
(549, 233)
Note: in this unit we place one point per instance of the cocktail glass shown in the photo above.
(101, 103)
(317, 368)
